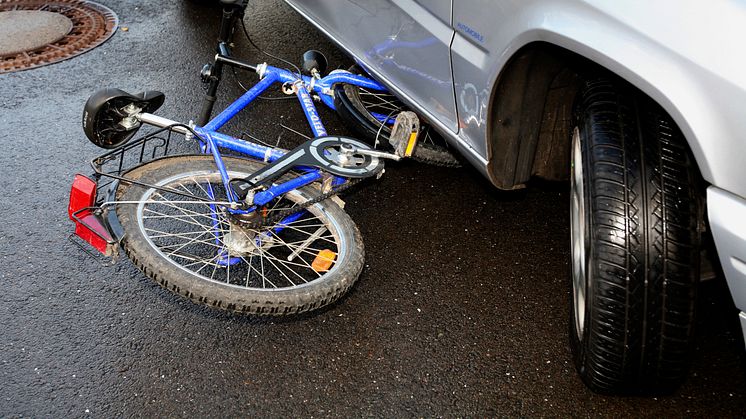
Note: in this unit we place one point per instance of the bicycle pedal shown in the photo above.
(404, 134)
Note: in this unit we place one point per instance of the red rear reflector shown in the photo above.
(90, 229)
(82, 194)
(88, 226)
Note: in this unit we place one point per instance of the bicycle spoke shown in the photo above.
(252, 268)
(285, 262)
(248, 273)
(298, 246)
(194, 240)
(305, 232)
(278, 269)
(181, 218)
(163, 234)
(184, 211)
(384, 101)
(207, 194)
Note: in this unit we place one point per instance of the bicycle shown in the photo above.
(261, 234)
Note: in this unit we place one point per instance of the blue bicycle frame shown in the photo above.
(211, 140)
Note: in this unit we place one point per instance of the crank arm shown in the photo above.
(372, 153)
(339, 156)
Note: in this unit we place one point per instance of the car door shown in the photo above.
(405, 41)
(474, 22)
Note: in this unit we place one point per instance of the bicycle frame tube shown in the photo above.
(212, 139)
(270, 75)
(312, 115)
(223, 117)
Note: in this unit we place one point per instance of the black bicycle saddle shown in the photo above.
(106, 111)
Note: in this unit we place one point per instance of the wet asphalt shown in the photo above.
(461, 309)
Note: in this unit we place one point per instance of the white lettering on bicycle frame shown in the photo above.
(312, 114)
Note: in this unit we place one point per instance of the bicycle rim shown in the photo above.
(202, 240)
(379, 106)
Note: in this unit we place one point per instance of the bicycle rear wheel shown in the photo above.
(201, 252)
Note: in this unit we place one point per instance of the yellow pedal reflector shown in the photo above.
(324, 260)
(410, 144)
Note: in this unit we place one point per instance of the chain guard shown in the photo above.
(325, 153)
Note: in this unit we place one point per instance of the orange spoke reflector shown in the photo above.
(323, 261)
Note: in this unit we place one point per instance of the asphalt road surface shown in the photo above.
(461, 309)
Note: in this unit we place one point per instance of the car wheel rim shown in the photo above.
(578, 236)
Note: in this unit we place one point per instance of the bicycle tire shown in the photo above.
(431, 149)
(158, 223)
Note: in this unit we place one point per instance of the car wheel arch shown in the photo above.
(531, 110)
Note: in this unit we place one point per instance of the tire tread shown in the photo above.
(644, 243)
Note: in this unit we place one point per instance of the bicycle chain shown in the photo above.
(280, 215)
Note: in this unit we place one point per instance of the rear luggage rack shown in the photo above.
(110, 166)
(95, 223)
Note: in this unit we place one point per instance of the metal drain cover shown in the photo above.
(34, 33)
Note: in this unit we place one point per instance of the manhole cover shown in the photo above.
(37, 32)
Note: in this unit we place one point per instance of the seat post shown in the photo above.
(232, 10)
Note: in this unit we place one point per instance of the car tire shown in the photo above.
(635, 242)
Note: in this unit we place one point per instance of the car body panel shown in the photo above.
(439, 8)
(727, 216)
(400, 38)
(686, 67)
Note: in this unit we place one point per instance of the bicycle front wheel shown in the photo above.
(366, 110)
(199, 251)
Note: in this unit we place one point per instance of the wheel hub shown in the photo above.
(243, 241)
(239, 241)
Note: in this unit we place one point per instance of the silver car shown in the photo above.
(640, 104)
